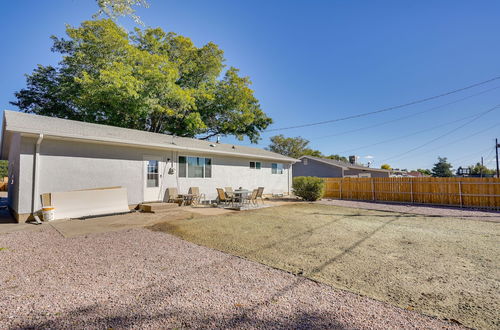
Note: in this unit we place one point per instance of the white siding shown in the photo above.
(66, 165)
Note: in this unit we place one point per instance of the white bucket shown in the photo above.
(48, 213)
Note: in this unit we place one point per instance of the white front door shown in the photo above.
(153, 173)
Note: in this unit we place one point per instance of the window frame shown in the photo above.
(186, 167)
(255, 167)
(277, 168)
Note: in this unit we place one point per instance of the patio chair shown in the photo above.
(195, 191)
(229, 191)
(223, 198)
(252, 198)
(173, 196)
(260, 191)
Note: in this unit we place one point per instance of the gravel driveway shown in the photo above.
(143, 279)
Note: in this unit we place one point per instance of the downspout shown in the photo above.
(36, 174)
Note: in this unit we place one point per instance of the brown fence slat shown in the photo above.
(465, 192)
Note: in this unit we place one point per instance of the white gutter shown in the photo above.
(36, 174)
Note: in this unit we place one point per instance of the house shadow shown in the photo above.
(5, 215)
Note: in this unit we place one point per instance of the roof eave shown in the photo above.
(26, 132)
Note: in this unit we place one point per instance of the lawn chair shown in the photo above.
(173, 196)
(260, 191)
(252, 198)
(229, 191)
(223, 198)
(196, 199)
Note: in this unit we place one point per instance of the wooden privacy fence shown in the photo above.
(463, 192)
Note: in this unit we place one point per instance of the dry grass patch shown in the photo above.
(439, 266)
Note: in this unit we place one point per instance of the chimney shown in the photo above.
(353, 159)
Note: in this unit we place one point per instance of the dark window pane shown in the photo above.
(182, 166)
(257, 165)
(208, 167)
(252, 164)
(195, 167)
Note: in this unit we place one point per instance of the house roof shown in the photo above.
(345, 165)
(70, 129)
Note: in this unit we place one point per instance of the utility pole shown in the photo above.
(496, 149)
(482, 166)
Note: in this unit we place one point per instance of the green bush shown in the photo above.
(310, 188)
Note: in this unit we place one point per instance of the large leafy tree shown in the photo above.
(294, 147)
(116, 8)
(147, 79)
(442, 168)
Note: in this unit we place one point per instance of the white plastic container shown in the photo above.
(48, 213)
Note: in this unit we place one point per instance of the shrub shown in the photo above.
(310, 188)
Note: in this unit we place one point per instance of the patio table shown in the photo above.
(241, 195)
(187, 199)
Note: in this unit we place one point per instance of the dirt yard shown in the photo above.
(446, 267)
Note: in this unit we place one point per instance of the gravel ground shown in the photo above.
(429, 210)
(143, 279)
(441, 266)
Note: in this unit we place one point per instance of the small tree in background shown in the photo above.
(424, 171)
(294, 147)
(308, 187)
(479, 169)
(386, 167)
(338, 157)
(442, 168)
(4, 168)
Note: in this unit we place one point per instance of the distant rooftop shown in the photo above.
(345, 165)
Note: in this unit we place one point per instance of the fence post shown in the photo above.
(460, 192)
(411, 189)
(373, 190)
(340, 184)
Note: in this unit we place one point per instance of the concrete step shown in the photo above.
(157, 207)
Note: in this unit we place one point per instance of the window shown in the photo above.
(277, 168)
(255, 165)
(195, 167)
(304, 161)
(152, 174)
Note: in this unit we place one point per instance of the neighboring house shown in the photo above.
(55, 155)
(330, 168)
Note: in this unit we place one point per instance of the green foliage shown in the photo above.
(424, 171)
(479, 169)
(338, 157)
(148, 80)
(296, 147)
(308, 187)
(442, 168)
(4, 168)
(116, 8)
(386, 167)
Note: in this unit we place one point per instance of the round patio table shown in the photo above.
(241, 195)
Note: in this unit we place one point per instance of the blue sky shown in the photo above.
(318, 60)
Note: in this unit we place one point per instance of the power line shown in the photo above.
(445, 134)
(463, 138)
(404, 117)
(387, 109)
(407, 135)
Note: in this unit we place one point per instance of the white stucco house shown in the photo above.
(48, 155)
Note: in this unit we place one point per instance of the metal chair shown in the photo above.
(173, 196)
(195, 191)
(260, 191)
(223, 197)
(252, 198)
